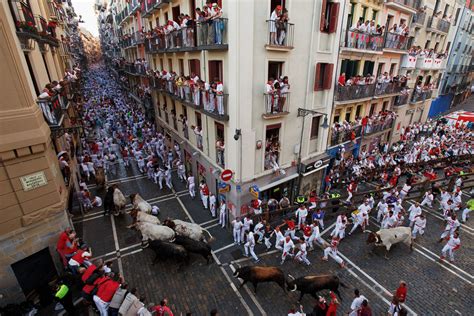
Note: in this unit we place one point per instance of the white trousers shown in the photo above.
(465, 214)
(191, 190)
(250, 248)
(301, 220)
(447, 250)
(102, 306)
(338, 233)
(333, 254)
(236, 234)
(222, 218)
(301, 257)
(417, 230)
(204, 199)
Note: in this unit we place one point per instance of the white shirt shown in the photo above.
(247, 223)
(357, 302)
(453, 242)
(250, 239)
(212, 200)
(237, 225)
(414, 211)
(287, 246)
(258, 227)
(419, 222)
(302, 212)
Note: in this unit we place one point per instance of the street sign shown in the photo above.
(226, 175)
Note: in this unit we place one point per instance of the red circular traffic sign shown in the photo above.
(226, 175)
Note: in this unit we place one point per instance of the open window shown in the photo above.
(195, 67)
(329, 16)
(215, 70)
(275, 69)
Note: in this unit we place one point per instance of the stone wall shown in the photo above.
(22, 243)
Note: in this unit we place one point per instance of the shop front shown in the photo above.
(312, 174)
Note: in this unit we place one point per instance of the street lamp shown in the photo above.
(303, 113)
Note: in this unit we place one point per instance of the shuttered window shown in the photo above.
(195, 67)
(323, 76)
(329, 17)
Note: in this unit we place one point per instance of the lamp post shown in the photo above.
(303, 113)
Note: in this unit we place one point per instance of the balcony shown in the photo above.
(55, 11)
(355, 92)
(210, 103)
(152, 5)
(401, 99)
(420, 96)
(139, 38)
(52, 110)
(25, 23)
(419, 18)
(280, 36)
(385, 123)
(339, 137)
(203, 36)
(438, 25)
(408, 61)
(363, 42)
(276, 105)
(396, 42)
(134, 6)
(46, 31)
(406, 6)
(387, 88)
(135, 69)
(64, 50)
(424, 63)
(439, 63)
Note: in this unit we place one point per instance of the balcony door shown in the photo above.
(215, 71)
(350, 67)
(274, 3)
(275, 69)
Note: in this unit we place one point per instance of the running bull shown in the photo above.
(311, 284)
(390, 236)
(260, 274)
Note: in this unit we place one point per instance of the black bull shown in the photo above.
(312, 284)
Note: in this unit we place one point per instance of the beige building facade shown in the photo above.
(244, 60)
(33, 192)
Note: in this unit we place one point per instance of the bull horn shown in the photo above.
(294, 289)
(291, 277)
(236, 274)
(368, 231)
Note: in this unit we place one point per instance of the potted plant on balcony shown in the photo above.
(28, 27)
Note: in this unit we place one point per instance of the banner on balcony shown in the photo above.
(27, 14)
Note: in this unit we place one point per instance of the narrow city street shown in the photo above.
(434, 288)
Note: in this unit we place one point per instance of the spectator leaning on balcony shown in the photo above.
(273, 28)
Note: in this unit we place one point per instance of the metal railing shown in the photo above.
(338, 137)
(419, 96)
(414, 4)
(387, 88)
(135, 69)
(419, 18)
(207, 35)
(396, 41)
(52, 110)
(401, 99)
(24, 19)
(280, 34)
(363, 40)
(275, 103)
(439, 24)
(380, 126)
(346, 93)
(139, 37)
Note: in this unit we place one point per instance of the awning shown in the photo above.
(314, 170)
(283, 180)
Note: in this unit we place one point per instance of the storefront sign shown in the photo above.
(312, 166)
(254, 191)
(224, 187)
(33, 181)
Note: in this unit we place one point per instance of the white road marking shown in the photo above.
(214, 225)
(250, 293)
(208, 222)
(224, 248)
(236, 291)
(117, 247)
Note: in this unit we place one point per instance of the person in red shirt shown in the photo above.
(291, 228)
(106, 288)
(332, 309)
(401, 292)
(61, 244)
(67, 247)
(163, 309)
(342, 80)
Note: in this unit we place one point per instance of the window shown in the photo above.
(215, 70)
(373, 106)
(393, 69)
(350, 67)
(458, 11)
(198, 119)
(358, 110)
(273, 4)
(347, 117)
(364, 13)
(323, 76)
(161, 64)
(329, 17)
(166, 17)
(195, 67)
(315, 127)
(170, 64)
(337, 115)
(32, 74)
(176, 11)
(220, 146)
(385, 106)
(368, 67)
(272, 140)
(427, 44)
(181, 66)
(374, 15)
(448, 46)
(275, 69)
(436, 47)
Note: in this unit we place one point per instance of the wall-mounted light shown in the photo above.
(237, 134)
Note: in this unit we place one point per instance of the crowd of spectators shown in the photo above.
(276, 92)
(278, 26)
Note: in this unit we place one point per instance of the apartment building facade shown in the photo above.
(455, 84)
(37, 41)
(429, 28)
(271, 140)
(370, 54)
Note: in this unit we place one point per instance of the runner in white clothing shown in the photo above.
(452, 245)
(288, 248)
(414, 211)
(249, 246)
(191, 186)
(302, 253)
(237, 227)
(419, 226)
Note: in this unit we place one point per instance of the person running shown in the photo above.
(249, 246)
(332, 251)
(453, 244)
